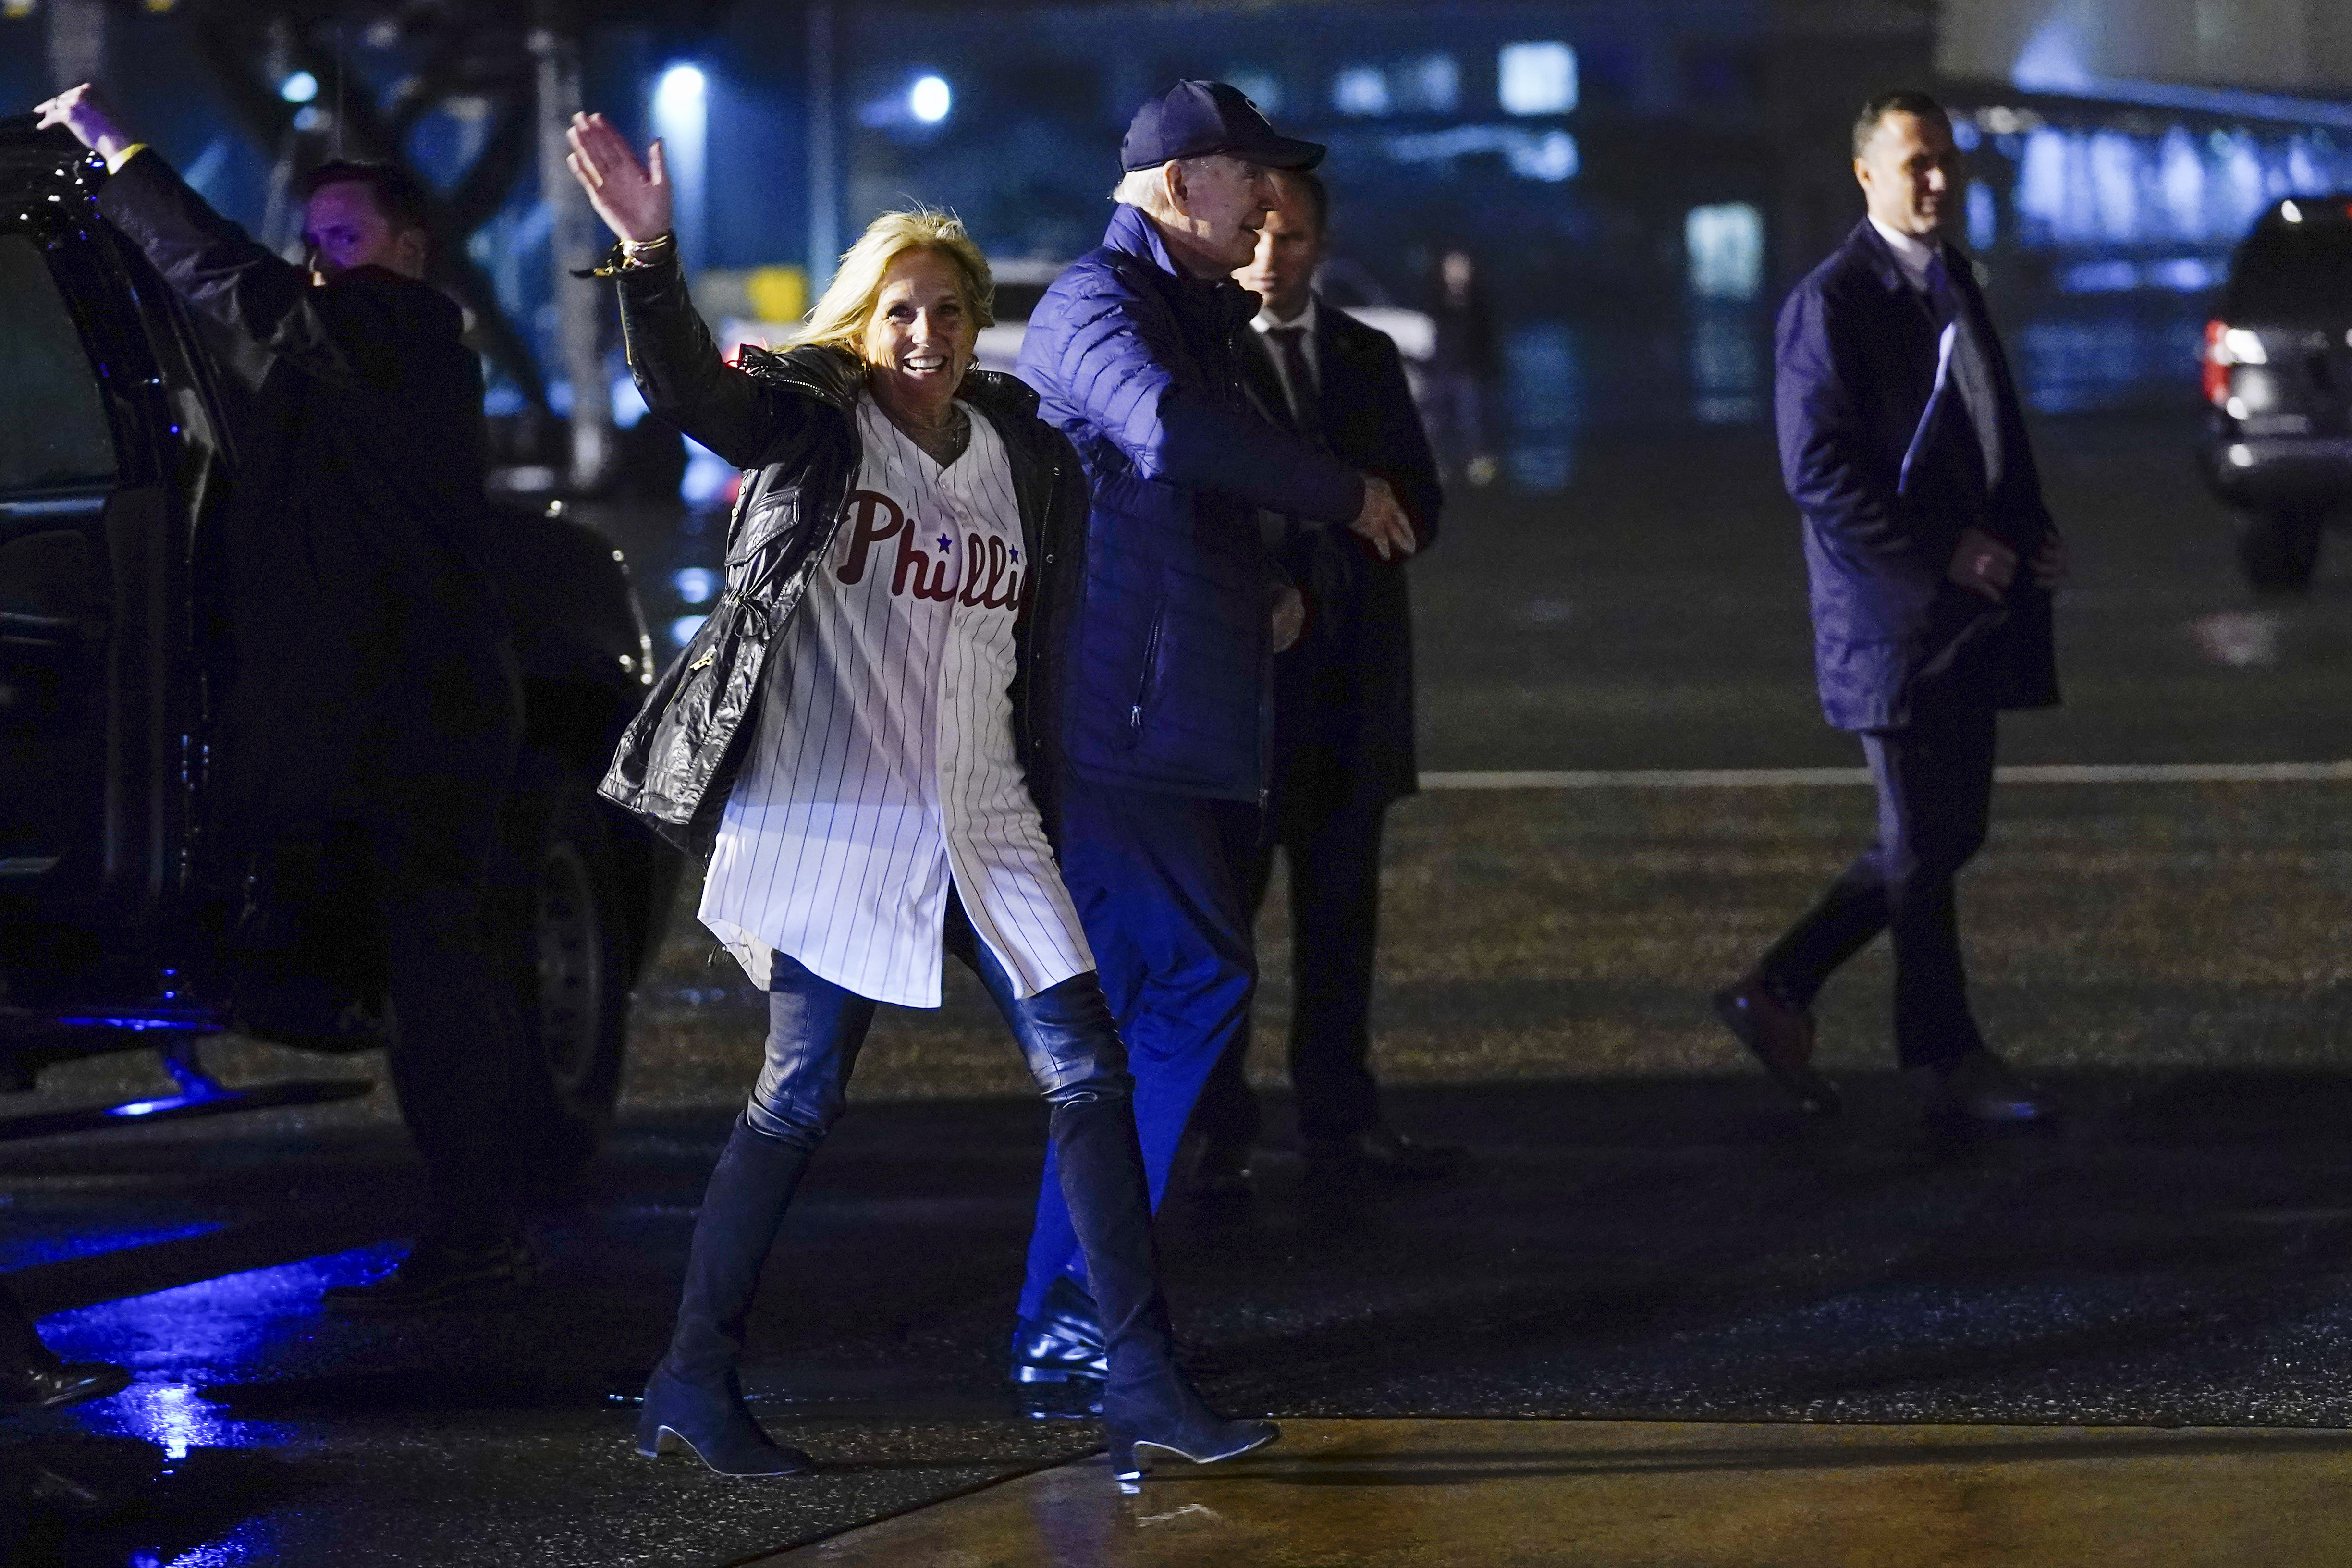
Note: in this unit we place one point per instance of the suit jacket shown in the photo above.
(1886, 460)
(1343, 696)
(369, 648)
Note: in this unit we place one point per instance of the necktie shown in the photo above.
(1942, 298)
(1970, 374)
(1306, 407)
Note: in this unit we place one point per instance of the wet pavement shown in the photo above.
(1648, 1234)
(1495, 1494)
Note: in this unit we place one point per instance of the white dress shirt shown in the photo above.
(1912, 254)
(1265, 321)
(882, 768)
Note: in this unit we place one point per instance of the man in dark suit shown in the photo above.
(1342, 710)
(1902, 443)
(374, 704)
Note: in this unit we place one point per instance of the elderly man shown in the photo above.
(1342, 713)
(1133, 352)
(1903, 444)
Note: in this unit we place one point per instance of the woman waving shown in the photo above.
(860, 730)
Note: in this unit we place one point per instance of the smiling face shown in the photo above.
(918, 340)
(344, 228)
(1909, 170)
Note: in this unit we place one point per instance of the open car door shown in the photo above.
(109, 452)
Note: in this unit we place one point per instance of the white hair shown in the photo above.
(1142, 188)
(1148, 188)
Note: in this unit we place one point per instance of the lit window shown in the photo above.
(1432, 84)
(1550, 157)
(1983, 225)
(1724, 246)
(1360, 89)
(1537, 78)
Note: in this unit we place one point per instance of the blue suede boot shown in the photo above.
(1148, 1402)
(694, 1397)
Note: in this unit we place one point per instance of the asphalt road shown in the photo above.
(1647, 1233)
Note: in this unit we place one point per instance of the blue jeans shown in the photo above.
(1160, 883)
(817, 1028)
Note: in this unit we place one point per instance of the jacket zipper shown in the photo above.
(1150, 658)
(1037, 602)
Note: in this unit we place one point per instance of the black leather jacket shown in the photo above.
(790, 421)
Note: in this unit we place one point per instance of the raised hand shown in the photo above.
(633, 198)
(81, 110)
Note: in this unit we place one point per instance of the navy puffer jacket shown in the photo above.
(1135, 361)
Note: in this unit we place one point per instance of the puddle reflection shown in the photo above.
(2241, 639)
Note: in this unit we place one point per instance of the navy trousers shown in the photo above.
(1935, 798)
(1159, 884)
(1334, 855)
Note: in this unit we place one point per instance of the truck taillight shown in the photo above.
(2216, 368)
(2226, 345)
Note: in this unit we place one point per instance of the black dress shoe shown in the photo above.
(1980, 1090)
(1383, 1152)
(47, 1382)
(1779, 1037)
(1059, 1361)
(438, 1274)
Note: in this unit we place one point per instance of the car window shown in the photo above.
(53, 426)
(2293, 272)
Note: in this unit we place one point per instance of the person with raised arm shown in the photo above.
(864, 731)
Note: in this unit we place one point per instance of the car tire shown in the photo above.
(2278, 551)
(569, 937)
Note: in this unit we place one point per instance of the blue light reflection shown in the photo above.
(182, 1340)
(30, 1252)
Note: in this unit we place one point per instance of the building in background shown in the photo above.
(1639, 180)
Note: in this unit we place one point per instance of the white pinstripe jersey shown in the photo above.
(882, 765)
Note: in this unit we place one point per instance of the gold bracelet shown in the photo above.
(629, 254)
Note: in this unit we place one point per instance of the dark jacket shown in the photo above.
(1343, 696)
(1135, 363)
(367, 650)
(790, 420)
(1887, 474)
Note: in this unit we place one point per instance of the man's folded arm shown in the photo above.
(1110, 371)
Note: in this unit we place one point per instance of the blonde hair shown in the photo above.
(839, 316)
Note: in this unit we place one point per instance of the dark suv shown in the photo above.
(2278, 373)
(124, 920)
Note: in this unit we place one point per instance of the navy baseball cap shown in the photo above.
(1194, 119)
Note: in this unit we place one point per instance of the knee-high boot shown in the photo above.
(1148, 1401)
(694, 1397)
